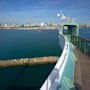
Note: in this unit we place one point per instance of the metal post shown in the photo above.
(84, 49)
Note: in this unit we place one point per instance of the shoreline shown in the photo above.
(34, 28)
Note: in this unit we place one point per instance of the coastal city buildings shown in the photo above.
(35, 26)
(28, 25)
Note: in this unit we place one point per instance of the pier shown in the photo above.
(82, 52)
(82, 65)
(82, 69)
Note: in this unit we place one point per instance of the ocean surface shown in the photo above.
(16, 44)
(28, 44)
(85, 32)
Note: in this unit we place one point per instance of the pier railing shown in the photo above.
(82, 43)
(59, 78)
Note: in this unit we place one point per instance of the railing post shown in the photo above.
(78, 42)
(72, 38)
(88, 48)
(75, 40)
(82, 43)
(85, 46)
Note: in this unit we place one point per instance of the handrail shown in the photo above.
(84, 38)
(82, 43)
(55, 76)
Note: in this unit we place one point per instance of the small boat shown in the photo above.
(39, 30)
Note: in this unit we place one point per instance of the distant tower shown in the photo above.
(68, 18)
(73, 20)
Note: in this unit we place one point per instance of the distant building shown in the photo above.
(1, 25)
(50, 24)
(22, 25)
(28, 25)
(42, 24)
(45, 25)
(55, 25)
(38, 24)
(17, 25)
(5, 25)
(33, 24)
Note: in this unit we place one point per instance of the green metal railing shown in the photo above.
(82, 43)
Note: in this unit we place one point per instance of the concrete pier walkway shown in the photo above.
(82, 69)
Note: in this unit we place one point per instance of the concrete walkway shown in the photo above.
(82, 69)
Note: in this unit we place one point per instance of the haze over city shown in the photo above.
(32, 11)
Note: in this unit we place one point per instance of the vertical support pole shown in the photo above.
(88, 48)
(78, 42)
(84, 46)
(73, 39)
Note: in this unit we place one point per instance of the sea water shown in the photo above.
(15, 44)
(85, 32)
(28, 44)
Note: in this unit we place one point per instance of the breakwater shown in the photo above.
(32, 28)
(29, 61)
(37, 28)
(26, 44)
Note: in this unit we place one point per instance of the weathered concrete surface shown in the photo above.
(82, 69)
(29, 61)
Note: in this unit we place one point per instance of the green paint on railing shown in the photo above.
(73, 56)
(72, 52)
(67, 84)
(67, 80)
(71, 45)
(82, 43)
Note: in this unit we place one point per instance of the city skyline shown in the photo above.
(31, 11)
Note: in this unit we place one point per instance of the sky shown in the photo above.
(37, 11)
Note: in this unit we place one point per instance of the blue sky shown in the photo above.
(31, 11)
